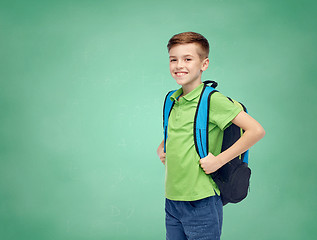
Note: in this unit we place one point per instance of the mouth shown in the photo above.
(180, 74)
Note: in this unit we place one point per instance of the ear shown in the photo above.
(205, 64)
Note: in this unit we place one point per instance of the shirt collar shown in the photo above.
(190, 96)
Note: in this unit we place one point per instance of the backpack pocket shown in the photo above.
(235, 187)
(239, 183)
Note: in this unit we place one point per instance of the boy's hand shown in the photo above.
(161, 153)
(210, 163)
(162, 157)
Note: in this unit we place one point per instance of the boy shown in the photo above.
(193, 205)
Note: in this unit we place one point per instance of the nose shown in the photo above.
(179, 64)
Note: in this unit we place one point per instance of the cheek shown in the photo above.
(171, 68)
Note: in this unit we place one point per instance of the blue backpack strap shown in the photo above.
(245, 154)
(246, 157)
(168, 106)
(201, 121)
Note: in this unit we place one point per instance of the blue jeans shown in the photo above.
(193, 220)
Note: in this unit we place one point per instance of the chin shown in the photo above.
(180, 81)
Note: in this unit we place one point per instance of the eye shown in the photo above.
(172, 60)
(188, 59)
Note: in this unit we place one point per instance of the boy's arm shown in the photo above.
(161, 153)
(253, 133)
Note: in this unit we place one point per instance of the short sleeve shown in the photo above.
(222, 111)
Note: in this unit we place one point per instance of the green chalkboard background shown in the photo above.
(81, 90)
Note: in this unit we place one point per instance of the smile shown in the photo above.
(179, 74)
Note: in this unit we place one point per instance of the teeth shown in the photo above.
(180, 74)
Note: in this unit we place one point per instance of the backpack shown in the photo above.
(233, 178)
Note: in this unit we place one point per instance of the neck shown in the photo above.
(188, 88)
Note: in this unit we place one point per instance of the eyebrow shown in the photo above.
(187, 55)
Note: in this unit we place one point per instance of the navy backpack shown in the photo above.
(234, 177)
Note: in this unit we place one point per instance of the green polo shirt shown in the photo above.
(185, 179)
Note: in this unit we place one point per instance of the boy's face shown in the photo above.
(186, 66)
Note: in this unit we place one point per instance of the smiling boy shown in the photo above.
(193, 205)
